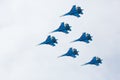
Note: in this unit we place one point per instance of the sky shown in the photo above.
(26, 23)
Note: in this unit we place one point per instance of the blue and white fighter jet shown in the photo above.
(51, 40)
(95, 61)
(75, 11)
(72, 52)
(65, 28)
(85, 37)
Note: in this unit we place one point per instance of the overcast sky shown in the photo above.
(26, 23)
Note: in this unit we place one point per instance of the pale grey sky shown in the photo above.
(25, 23)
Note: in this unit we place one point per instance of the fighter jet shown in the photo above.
(72, 52)
(51, 40)
(95, 61)
(85, 37)
(65, 28)
(75, 11)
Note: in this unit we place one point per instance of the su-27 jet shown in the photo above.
(65, 28)
(85, 37)
(75, 11)
(51, 40)
(72, 52)
(95, 61)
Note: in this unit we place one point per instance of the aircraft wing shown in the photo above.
(73, 9)
(83, 35)
(93, 59)
(48, 38)
(62, 27)
(70, 51)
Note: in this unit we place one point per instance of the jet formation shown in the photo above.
(72, 52)
(85, 37)
(51, 40)
(95, 61)
(75, 11)
(65, 28)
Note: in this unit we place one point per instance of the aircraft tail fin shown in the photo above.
(82, 12)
